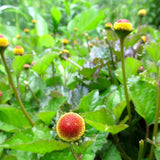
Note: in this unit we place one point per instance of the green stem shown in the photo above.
(14, 90)
(126, 92)
(123, 153)
(53, 72)
(34, 96)
(75, 156)
(111, 52)
(156, 116)
(110, 73)
(73, 62)
(141, 148)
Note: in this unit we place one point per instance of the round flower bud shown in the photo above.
(26, 30)
(26, 66)
(83, 34)
(18, 50)
(75, 29)
(33, 21)
(108, 25)
(64, 53)
(75, 42)
(3, 43)
(89, 38)
(0, 94)
(97, 38)
(18, 36)
(142, 12)
(122, 27)
(91, 45)
(65, 41)
(70, 127)
(144, 39)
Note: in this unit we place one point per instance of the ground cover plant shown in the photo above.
(79, 80)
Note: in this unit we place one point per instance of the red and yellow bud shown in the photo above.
(33, 21)
(144, 39)
(65, 41)
(70, 127)
(0, 94)
(142, 12)
(18, 50)
(18, 36)
(26, 66)
(91, 45)
(108, 25)
(26, 30)
(3, 41)
(75, 29)
(122, 27)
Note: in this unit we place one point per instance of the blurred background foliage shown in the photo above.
(19, 13)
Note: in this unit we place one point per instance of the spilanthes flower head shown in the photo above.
(70, 127)
(0, 94)
(108, 25)
(142, 12)
(18, 50)
(83, 34)
(89, 38)
(64, 53)
(26, 30)
(3, 41)
(33, 21)
(91, 45)
(97, 38)
(65, 41)
(18, 36)
(26, 66)
(144, 39)
(3, 44)
(75, 42)
(75, 29)
(122, 27)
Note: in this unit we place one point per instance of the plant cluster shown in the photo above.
(87, 90)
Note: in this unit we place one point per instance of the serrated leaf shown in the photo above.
(144, 97)
(103, 120)
(42, 64)
(131, 68)
(89, 102)
(112, 154)
(88, 72)
(19, 62)
(115, 101)
(49, 111)
(153, 50)
(29, 139)
(45, 41)
(12, 117)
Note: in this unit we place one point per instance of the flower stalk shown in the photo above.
(14, 89)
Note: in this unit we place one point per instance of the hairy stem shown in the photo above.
(75, 156)
(155, 129)
(141, 148)
(14, 90)
(126, 92)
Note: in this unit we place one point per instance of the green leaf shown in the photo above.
(144, 97)
(49, 111)
(10, 157)
(131, 68)
(88, 72)
(116, 101)
(12, 117)
(21, 155)
(157, 154)
(86, 20)
(103, 120)
(153, 51)
(112, 154)
(131, 40)
(56, 17)
(46, 41)
(89, 102)
(42, 64)
(19, 62)
(29, 139)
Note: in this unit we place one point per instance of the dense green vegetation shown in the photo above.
(73, 62)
